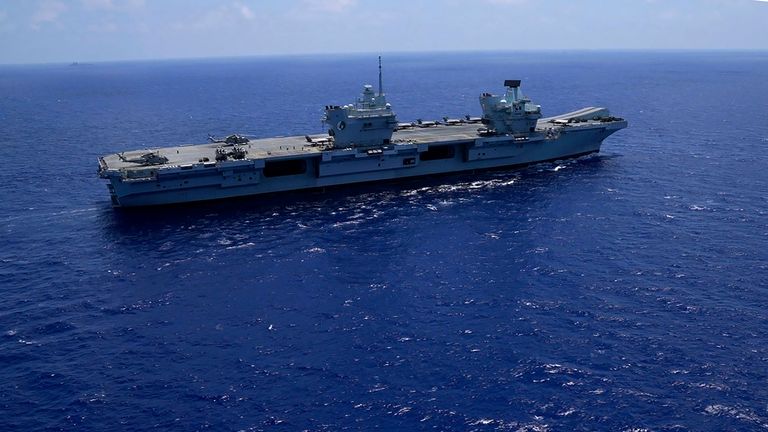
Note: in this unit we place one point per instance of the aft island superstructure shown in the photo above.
(365, 142)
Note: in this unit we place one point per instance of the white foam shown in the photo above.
(241, 246)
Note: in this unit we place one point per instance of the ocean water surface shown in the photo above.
(627, 291)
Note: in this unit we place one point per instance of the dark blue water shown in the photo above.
(622, 292)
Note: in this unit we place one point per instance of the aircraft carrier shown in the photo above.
(365, 142)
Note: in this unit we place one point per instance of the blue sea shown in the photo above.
(626, 291)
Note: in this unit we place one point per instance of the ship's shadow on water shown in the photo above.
(313, 204)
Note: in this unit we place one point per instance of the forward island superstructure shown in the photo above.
(365, 142)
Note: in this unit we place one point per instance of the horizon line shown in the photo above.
(396, 53)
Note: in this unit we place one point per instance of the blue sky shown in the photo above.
(38, 31)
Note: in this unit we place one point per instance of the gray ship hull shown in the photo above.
(296, 163)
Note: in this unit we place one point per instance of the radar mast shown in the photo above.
(381, 87)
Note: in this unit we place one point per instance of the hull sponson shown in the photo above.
(415, 153)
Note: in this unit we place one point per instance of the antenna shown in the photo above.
(381, 88)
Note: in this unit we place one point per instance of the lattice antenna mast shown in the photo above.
(381, 87)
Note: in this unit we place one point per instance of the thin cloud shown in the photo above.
(334, 6)
(112, 4)
(48, 12)
(104, 27)
(245, 11)
(98, 4)
(216, 17)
